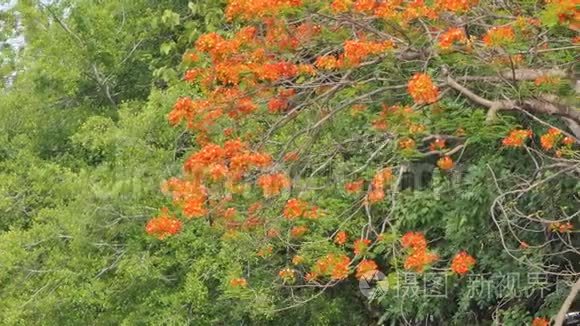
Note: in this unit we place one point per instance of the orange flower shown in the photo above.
(524, 245)
(218, 171)
(546, 80)
(340, 268)
(340, 6)
(445, 163)
(163, 225)
(437, 145)
(414, 241)
(375, 196)
(312, 213)
(549, 139)
(354, 187)
(191, 75)
(562, 227)
(272, 184)
(272, 233)
(340, 238)
(355, 50)
(250, 9)
(451, 36)
(357, 108)
(361, 246)
(294, 208)
(287, 274)
(419, 259)
(516, 138)
(499, 36)
(568, 141)
(407, 143)
(462, 263)
(422, 89)
(230, 213)
(238, 282)
(327, 62)
(265, 251)
(366, 269)
(277, 104)
(298, 231)
(297, 260)
(336, 267)
(456, 5)
(540, 321)
(364, 5)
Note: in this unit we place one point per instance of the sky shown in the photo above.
(18, 41)
(6, 4)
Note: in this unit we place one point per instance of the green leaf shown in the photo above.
(170, 18)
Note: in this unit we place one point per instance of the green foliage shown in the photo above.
(85, 146)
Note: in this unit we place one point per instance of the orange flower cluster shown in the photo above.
(249, 58)
(298, 231)
(539, 321)
(280, 103)
(380, 180)
(297, 260)
(499, 36)
(333, 266)
(517, 138)
(418, 260)
(561, 227)
(549, 139)
(203, 113)
(361, 246)
(445, 163)
(419, 256)
(451, 36)
(272, 184)
(414, 241)
(296, 208)
(365, 6)
(366, 269)
(567, 11)
(354, 187)
(546, 80)
(356, 51)
(250, 9)
(340, 6)
(212, 162)
(287, 274)
(341, 238)
(398, 10)
(327, 62)
(422, 89)
(437, 145)
(239, 282)
(417, 9)
(163, 225)
(456, 5)
(462, 263)
(190, 195)
(407, 144)
(265, 251)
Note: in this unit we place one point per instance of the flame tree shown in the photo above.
(307, 115)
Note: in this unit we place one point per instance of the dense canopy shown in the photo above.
(289, 162)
